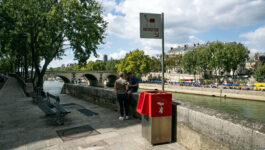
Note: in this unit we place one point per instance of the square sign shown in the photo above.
(150, 26)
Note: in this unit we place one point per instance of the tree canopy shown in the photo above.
(215, 58)
(43, 30)
(135, 61)
(260, 74)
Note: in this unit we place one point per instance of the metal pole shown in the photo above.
(163, 54)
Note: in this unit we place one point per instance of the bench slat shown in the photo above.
(46, 109)
(54, 97)
(61, 108)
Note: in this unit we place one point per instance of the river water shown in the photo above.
(246, 108)
(53, 87)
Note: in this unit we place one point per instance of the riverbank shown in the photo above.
(229, 93)
(197, 127)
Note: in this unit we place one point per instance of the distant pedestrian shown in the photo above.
(134, 83)
(121, 87)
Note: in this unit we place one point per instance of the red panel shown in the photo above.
(143, 103)
(152, 20)
(155, 103)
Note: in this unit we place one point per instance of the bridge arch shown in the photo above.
(111, 80)
(65, 79)
(93, 81)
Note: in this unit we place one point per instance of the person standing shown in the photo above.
(134, 83)
(121, 87)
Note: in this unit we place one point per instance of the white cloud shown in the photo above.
(59, 63)
(255, 39)
(253, 50)
(93, 58)
(183, 19)
(117, 55)
(108, 5)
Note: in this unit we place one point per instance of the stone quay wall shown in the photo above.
(198, 128)
(231, 93)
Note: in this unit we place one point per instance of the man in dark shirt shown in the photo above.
(134, 83)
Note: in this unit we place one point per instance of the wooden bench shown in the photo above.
(54, 102)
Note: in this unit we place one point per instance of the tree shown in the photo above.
(136, 62)
(156, 64)
(260, 74)
(110, 65)
(189, 62)
(236, 54)
(95, 66)
(203, 59)
(52, 26)
(172, 61)
(6, 65)
(216, 57)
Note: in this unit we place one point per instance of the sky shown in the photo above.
(186, 22)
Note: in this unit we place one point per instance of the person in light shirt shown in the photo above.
(121, 88)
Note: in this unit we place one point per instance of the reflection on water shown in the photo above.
(249, 109)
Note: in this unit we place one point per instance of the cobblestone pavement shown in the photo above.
(23, 126)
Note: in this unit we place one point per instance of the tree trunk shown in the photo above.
(41, 74)
(233, 76)
(26, 66)
(31, 76)
(40, 81)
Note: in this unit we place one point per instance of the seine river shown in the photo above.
(249, 109)
(53, 87)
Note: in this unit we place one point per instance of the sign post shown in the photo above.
(163, 54)
(152, 26)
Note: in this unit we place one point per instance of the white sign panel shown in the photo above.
(150, 26)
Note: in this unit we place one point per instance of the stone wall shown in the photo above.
(198, 128)
(232, 93)
(206, 129)
(102, 96)
(170, 76)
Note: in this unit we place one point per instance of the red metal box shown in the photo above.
(155, 103)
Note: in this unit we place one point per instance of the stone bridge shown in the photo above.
(95, 78)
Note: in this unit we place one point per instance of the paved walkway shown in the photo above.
(23, 126)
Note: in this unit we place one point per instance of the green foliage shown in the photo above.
(203, 59)
(236, 53)
(217, 57)
(110, 65)
(44, 29)
(189, 62)
(95, 66)
(6, 65)
(172, 61)
(260, 74)
(156, 64)
(135, 61)
(91, 65)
